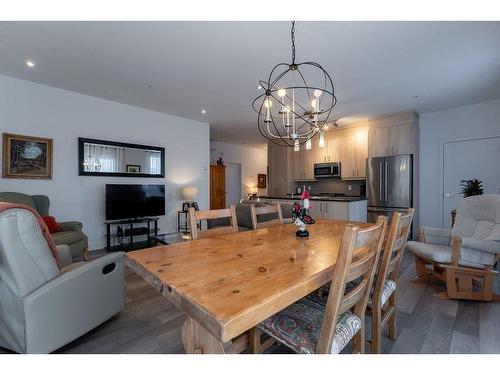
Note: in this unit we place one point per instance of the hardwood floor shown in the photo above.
(151, 324)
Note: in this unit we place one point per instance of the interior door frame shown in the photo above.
(442, 143)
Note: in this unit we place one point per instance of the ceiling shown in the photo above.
(180, 68)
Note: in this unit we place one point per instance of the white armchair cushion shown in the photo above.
(442, 254)
(482, 245)
(437, 236)
(495, 234)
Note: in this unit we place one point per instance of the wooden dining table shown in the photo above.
(230, 283)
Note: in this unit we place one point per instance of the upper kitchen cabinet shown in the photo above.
(395, 134)
(353, 151)
(330, 152)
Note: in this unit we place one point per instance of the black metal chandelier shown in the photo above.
(297, 102)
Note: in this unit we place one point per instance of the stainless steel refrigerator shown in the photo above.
(389, 185)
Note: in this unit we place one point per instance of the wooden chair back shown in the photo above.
(357, 260)
(258, 211)
(195, 216)
(393, 252)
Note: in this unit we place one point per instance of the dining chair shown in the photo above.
(312, 326)
(382, 306)
(266, 210)
(225, 213)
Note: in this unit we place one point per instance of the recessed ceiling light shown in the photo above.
(259, 87)
(203, 112)
(30, 63)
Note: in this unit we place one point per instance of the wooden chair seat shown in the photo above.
(298, 326)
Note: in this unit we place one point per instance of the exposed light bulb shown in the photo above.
(308, 144)
(203, 111)
(30, 63)
(296, 146)
(313, 103)
(281, 93)
(259, 87)
(321, 140)
(317, 93)
(268, 103)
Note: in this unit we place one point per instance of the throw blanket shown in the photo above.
(7, 206)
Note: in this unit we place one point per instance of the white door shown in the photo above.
(467, 160)
(233, 183)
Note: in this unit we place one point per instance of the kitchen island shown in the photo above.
(328, 207)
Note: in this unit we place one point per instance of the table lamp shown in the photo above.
(188, 193)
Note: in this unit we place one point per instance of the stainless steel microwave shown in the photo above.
(324, 170)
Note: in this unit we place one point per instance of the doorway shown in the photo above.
(233, 183)
(466, 160)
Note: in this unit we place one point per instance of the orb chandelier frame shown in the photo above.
(282, 118)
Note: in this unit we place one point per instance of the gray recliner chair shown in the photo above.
(463, 257)
(43, 308)
(70, 232)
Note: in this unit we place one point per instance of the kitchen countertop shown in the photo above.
(317, 198)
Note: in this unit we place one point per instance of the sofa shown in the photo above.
(70, 233)
(44, 307)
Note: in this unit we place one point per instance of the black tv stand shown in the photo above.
(131, 232)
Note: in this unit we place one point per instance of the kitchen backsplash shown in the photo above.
(333, 186)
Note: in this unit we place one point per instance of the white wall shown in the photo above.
(253, 161)
(469, 122)
(32, 109)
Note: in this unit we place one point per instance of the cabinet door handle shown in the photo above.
(320, 207)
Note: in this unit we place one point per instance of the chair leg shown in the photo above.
(420, 267)
(393, 333)
(359, 341)
(85, 254)
(255, 344)
(376, 330)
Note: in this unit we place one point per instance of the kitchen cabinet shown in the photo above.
(331, 210)
(279, 169)
(393, 135)
(330, 152)
(353, 151)
(303, 164)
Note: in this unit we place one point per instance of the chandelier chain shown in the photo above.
(293, 41)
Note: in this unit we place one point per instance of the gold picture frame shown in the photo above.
(25, 156)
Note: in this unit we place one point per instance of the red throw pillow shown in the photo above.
(51, 223)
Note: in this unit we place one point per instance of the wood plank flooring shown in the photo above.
(151, 324)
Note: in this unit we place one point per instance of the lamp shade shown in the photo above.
(189, 192)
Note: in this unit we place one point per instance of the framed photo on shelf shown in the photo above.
(133, 168)
(185, 207)
(261, 181)
(26, 157)
(196, 207)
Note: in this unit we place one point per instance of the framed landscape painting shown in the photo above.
(26, 157)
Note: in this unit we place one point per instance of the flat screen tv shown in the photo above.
(134, 201)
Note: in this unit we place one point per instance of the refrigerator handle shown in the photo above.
(380, 181)
(385, 181)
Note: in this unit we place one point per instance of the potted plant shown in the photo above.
(471, 187)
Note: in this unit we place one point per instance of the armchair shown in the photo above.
(463, 257)
(70, 232)
(43, 307)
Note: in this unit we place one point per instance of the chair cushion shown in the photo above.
(66, 237)
(442, 254)
(389, 288)
(298, 326)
